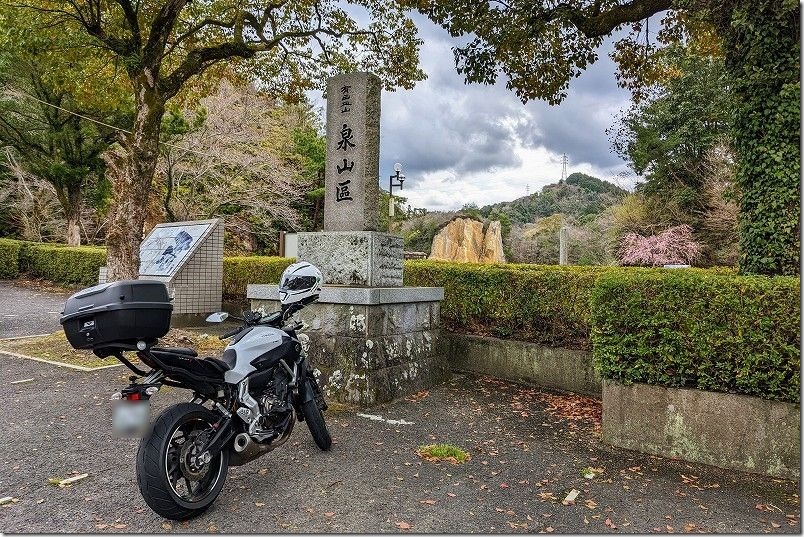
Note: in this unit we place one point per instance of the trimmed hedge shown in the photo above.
(545, 304)
(71, 265)
(241, 271)
(707, 329)
(711, 332)
(9, 259)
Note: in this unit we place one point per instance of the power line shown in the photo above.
(113, 127)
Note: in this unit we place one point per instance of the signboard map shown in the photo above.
(164, 250)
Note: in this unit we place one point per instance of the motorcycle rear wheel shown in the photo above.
(169, 483)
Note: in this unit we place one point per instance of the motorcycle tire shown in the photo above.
(163, 462)
(317, 425)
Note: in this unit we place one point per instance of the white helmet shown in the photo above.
(300, 282)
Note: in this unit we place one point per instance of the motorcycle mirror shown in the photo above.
(217, 317)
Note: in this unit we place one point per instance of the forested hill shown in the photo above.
(580, 195)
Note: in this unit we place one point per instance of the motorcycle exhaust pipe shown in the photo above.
(242, 442)
(246, 450)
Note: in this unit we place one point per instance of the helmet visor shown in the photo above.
(298, 283)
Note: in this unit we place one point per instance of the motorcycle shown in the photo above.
(244, 404)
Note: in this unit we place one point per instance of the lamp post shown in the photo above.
(400, 178)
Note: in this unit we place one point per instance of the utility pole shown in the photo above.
(563, 245)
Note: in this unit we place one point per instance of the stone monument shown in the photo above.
(371, 339)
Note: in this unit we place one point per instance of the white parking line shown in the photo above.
(377, 417)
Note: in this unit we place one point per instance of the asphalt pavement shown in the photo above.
(26, 310)
(525, 459)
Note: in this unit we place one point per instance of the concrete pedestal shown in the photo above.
(370, 345)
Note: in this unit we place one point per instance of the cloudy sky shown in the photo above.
(479, 144)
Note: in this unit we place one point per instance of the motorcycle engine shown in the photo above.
(273, 401)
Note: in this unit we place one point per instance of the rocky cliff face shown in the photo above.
(464, 240)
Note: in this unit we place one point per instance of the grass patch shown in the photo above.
(443, 452)
(55, 347)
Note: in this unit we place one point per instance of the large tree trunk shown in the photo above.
(73, 213)
(130, 169)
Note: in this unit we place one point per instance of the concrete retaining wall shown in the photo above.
(726, 430)
(560, 369)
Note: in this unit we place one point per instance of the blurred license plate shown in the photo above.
(129, 418)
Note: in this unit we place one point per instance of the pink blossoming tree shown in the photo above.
(674, 245)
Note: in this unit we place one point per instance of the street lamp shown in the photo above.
(400, 178)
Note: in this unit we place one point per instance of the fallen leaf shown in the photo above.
(70, 480)
(402, 525)
(569, 499)
(167, 526)
(329, 514)
(101, 526)
(259, 504)
(775, 525)
(429, 502)
(40, 500)
(591, 504)
(263, 471)
(549, 529)
(503, 485)
(6, 499)
(451, 495)
(119, 526)
(610, 524)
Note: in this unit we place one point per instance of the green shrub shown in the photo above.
(9, 259)
(545, 304)
(68, 265)
(241, 271)
(707, 331)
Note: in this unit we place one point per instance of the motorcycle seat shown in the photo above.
(212, 368)
(176, 350)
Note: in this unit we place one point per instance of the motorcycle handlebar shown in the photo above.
(231, 333)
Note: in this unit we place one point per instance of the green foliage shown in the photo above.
(9, 264)
(593, 184)
(581, 196)
(763, 48)
(238, 272)
(540, 303)
(666, 137)
(66, 265)
(445, 452)
(699, 329)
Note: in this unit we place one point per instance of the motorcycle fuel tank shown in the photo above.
(257, 342)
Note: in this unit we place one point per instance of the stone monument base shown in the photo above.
(358, 258)
(369, 345)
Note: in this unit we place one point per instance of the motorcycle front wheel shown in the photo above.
(171, 480)
(315, 422)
